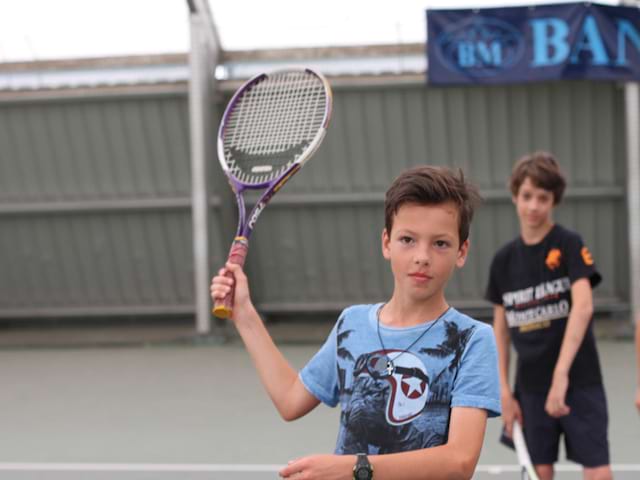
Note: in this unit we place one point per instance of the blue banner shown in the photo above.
(525, 44)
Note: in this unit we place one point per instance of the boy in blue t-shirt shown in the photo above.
(415, 378)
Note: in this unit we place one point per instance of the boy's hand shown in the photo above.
(320, 467)
(555, 405)
(510, 412)
(638, 399)
(221, 286)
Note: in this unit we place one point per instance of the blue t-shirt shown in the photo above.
(454, 364)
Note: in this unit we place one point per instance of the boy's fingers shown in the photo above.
(518, 415)
(234, 268)
(508, 428)
(221, 282)
(237, 272)
(293, 467)
(519, 419)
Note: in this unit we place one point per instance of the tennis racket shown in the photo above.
(271, 127)
(527, 469)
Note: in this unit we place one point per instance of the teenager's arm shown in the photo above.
(501, 332)
(510, 406)
(456, 459)
(577, 324)
(281, 381)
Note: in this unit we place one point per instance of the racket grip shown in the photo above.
(237, 255)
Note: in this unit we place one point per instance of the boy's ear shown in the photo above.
(462, 254)
(385, 244)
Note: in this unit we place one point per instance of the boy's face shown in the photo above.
(423, 248)
(534, 205)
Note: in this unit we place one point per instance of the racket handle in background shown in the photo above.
(224, 308)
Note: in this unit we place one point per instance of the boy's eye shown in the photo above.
(442, 243)
(405, 239)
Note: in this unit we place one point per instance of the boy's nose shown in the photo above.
(422, 259)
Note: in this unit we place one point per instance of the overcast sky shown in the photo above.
(46, 29)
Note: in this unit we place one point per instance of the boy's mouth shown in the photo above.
(420, 276)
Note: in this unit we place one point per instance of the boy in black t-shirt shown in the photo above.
(540, 284)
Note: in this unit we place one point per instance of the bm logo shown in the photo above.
(483, 46)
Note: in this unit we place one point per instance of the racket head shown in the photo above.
(272, 125)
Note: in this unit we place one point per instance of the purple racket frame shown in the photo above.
(240, 245)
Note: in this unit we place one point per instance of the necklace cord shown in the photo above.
(390, 361)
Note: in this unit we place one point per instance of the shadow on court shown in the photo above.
(202, 406)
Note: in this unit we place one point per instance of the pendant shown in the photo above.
(390, 367)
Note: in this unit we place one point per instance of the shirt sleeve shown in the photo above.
(477, 383)
(493, 293)
(580, 263)
(319, 375)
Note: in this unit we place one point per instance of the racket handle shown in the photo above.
(224, 308)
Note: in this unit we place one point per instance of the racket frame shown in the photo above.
(246, 224)
(528, 471)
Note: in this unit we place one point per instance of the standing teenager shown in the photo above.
(541, 286)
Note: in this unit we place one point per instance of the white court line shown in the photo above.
(138, 467)
(558, 467)
(205, 467)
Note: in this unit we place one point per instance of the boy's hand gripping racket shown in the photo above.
(272, 125)
(527, 469)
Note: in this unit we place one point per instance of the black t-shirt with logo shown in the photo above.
(533, 283)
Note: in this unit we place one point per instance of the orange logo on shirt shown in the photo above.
(553, 259)
(586, 256)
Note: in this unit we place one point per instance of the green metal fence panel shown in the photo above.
(95, 201)
(319, 250)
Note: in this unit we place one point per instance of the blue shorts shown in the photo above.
(584, 429)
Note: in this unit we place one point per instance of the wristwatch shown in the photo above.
(362, 470)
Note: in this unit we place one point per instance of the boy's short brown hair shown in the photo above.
(432, 185)
(543, 170)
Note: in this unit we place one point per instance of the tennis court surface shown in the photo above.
(198, 412)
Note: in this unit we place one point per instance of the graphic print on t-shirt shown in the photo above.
(407, 378)
(587, 258)
(553, 258)
(535, 307)
(403, 406)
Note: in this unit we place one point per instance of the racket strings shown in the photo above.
(272, 125)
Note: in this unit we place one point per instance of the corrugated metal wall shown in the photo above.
(94, 206)
(320, 250)
(94, 196)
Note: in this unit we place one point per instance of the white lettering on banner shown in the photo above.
(537, 314)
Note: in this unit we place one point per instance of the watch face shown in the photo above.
(362, 473)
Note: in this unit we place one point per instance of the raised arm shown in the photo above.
(457, 459)
(577, 324)
(281, 381)
(510, 406)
